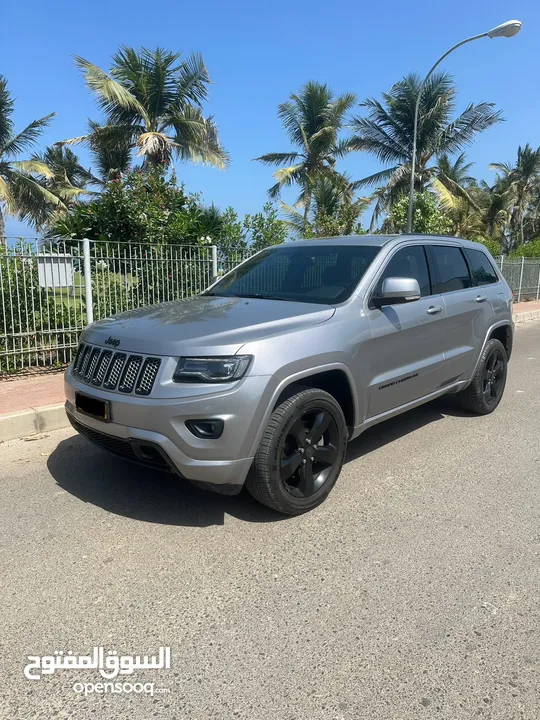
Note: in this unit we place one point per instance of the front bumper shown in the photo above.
(221, 464)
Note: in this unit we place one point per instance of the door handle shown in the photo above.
(481, 298)
(434, 309)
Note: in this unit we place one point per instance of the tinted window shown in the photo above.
(451, 268)
(305, 273)
(409, 262)
(483, 271)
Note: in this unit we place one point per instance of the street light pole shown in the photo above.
(507, 29)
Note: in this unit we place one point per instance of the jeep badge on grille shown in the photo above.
(112, 341)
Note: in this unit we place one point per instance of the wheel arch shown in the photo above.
(303, 377)
(503, 333)
(505, 329)
(335, 381)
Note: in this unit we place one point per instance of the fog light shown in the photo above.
(207, 429)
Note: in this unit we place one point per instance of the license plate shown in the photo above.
(93, 407)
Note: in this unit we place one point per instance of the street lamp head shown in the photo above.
(507, 29)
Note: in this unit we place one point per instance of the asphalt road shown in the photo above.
(413, 592)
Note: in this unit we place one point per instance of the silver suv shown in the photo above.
(263, 378)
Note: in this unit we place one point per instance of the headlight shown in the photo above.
(211, 369)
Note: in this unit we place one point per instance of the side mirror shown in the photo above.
(396, 290)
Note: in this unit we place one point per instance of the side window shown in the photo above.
(408, 262)
(483, 271)
(451, 268)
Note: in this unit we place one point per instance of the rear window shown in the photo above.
(324, 274)
(482, 268)
(451, 268)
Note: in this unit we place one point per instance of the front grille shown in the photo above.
(91, 364)
(115, 371)
(147, 376)
(131, 371)
(113, 376)
(102, 367)
(85, 356)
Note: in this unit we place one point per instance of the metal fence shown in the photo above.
(50, 292)
(523, 276)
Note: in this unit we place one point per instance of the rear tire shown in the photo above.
(301, 453)
(484, 393)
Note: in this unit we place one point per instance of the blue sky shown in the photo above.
(259, 52)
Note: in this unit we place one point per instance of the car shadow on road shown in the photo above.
(122, 488)
(401, 425)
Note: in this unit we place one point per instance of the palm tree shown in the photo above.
(312, 119)
(495, 201)
(153, 105)
(110, 150)
(334, 209)
(23, 193)
(523, 179)
(387, 133)
(70, 179)
(455, 174)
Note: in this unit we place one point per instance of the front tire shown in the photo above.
(484, 393)
(301, 453)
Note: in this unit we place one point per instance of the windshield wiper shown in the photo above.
(260, 296)
(257, 296)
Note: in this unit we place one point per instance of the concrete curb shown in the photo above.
(522, 316)
(32, 421)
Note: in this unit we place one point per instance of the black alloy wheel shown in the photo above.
(310, 451)
(483, 394)
(301, 452)
(493, 377)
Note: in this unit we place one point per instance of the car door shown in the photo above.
(468, 311)
(405, 347)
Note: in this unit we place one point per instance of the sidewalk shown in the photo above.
(33, 404)
(526, 310)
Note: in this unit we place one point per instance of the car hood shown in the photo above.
(203, 324)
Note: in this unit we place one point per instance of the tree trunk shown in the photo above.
(3, 240)
(307, 208)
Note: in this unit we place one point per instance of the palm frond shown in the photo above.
(193, 80)
(294, 219)
(6, 196)
(455, 188)
(288, 175)
(6, 111)
(65, 166)
(74, 141)
(504, 168)
(377, 177)
(380, 208)
(463, 129)
(33, 202)
(196, 138)
(278, 158)
(340, 106)
(448, 200)
(27, 138)
(113, 98)
(376, 138)
(32, 167)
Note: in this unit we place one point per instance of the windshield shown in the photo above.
(326, 274)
